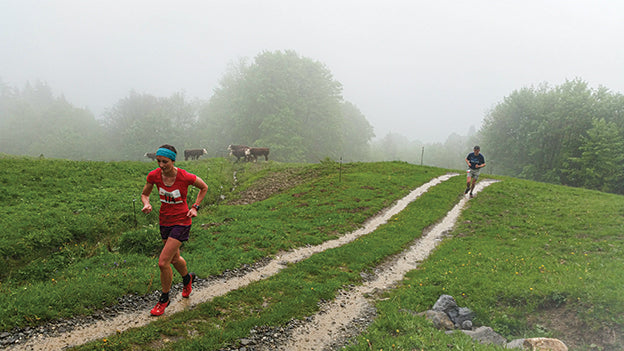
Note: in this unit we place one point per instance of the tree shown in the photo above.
(393, 147)
(288, 103)
(601, 164)
(140, 123)
(357, 134)
(34, 122)
(219, 117)
(542, 134)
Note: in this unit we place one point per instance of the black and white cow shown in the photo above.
(238, 151)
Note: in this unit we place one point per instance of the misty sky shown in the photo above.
(423, 69)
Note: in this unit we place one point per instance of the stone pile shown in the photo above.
(446, 315)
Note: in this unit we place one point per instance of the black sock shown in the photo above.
(164, 297)
(186, 279)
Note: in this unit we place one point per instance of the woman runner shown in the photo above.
(175, 219)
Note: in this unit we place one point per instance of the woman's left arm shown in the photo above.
(203, 189)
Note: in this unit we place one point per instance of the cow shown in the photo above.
(254, 152)
(238, 151)
(151, 155)
(194, 154)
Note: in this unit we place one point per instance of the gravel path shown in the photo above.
(344, 318)
(334, 325)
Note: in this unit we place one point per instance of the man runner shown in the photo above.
(475, 161)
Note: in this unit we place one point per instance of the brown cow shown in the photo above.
(194, 154)
(258, 151)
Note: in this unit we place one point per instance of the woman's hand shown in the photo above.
(192, 212)
(147, 208)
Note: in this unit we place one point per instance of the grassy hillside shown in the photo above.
(529, 258)
(70, 226)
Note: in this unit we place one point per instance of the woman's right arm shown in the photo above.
(147, 189)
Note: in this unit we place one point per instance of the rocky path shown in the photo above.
(333, 323)
(352, 308)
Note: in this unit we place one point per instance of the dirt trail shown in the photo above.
(349, 306)
(309, 337)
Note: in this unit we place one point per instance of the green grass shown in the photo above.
(521, 249)
(520, 253)
(120, 257)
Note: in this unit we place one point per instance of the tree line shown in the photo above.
(281, 100)
(569, 134)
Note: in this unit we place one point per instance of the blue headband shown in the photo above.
(167, 153)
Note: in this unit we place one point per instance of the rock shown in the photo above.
(461, 315)
(440, 319)
(458, 315)
(466, 325)
(447, 315)
(486, 335)
(445, 303)
(535, 344)
(515, 344)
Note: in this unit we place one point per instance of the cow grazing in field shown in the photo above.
(194, 154)
(151, 155)
(254, 152)
(238, 151)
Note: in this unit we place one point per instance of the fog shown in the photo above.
(422, 69)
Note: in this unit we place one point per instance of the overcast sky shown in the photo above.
(423, 69)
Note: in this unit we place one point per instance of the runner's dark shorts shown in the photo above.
(178, 232)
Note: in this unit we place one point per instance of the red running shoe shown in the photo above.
(186, 291)
(159, 309)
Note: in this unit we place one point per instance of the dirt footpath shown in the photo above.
(322, 330)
